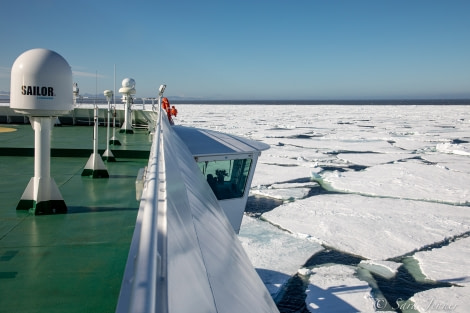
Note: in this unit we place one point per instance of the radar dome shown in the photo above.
(128, 86)
(128, 83)
(108, 93)
(41, 84)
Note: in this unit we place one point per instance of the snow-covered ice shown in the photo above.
(260, 239)
(336, 289)
(387, 269)
(399, 184)
(371, 227)
(449, 264)
(406, 180)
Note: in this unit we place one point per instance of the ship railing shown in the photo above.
(143, 287)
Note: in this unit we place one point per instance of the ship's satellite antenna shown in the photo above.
(127, 90)
(40, 88)
(108, 155)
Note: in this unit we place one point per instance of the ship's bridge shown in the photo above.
(227, 163)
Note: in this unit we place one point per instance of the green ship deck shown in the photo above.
(70, 262)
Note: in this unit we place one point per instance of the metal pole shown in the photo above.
(95, 133)
(107, 128)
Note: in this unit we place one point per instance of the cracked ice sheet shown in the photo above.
(287, 191)
(452, 162)
(416, 143)
(290, 154)
(352, 128)
(336, 289)
(276, 254)
(459, 149)
(410, 180)
(452, 299)
(335, 145)
(386, 269)
(278, 133)
(267, 174)
(372, 159)
(374, 228)
(282, 194)
(450, 264)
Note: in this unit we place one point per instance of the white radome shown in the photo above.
(128, 83)
(41, 84)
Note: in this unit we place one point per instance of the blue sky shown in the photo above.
(275, 49)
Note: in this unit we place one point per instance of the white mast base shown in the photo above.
(42, 196)
(95, 167)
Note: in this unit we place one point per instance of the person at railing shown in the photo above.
(165, 104)
(173, 111)
(168, 110)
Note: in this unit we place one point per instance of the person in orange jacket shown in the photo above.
(165, 104)
(174, 111)
(168, 114)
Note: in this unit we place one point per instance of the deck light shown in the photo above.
(161, 90)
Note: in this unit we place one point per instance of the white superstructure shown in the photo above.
(185, 255)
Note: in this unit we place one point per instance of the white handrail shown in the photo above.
(142, 290)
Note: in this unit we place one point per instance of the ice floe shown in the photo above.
(371, 227)
(260, 240)
(408, 180)
(336, 289)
